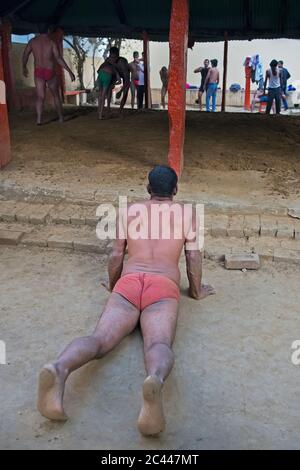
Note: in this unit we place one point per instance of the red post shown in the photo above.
(148, 102)
(5, 150)
(178, 40)
(225, 66)
(248, 70)
(58, 37)
(11, 91)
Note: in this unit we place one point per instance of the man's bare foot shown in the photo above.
(61, 119)
(151, 420)
(205, 291)
(50, 394)
(100, 117)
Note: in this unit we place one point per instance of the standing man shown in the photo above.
(144, 291)
(284, 77)
(164, 76)
(45, 54)
(141, 84)
(134, 82)
(273, 75)
(204, 71)
(211, 85)
(108, 75)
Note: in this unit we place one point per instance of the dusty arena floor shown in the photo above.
(233, 385)
(228, 157)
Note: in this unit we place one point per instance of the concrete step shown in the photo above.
(83, 238)
(216, 225)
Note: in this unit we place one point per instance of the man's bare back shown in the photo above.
(213, 76)
(44, 51)
(45, 56)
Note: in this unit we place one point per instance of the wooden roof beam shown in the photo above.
(120, 12)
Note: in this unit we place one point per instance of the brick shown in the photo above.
(60, 241)
(251, 225)
(92, 245)
(9, 209)
(35, 239)
(285, 231)
(235, 228)
(219, 226)
(242, 261)
(34, 213)
(10, 237)
(287, 256)
(294, 212)
(268, 226)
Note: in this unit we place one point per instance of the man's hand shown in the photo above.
(25, 72)
(205, 291)
(72, 77)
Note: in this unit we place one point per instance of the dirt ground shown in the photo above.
(234, 157)
(233, 385)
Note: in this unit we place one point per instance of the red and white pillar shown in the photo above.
(5, 149)
(178, 42)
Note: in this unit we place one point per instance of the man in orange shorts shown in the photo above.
(144, 290)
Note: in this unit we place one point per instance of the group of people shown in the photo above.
(277, 77)
(115, 70)
(210, 78)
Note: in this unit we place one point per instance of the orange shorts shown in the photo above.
(142, 289)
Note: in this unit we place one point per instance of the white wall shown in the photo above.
(285, 49)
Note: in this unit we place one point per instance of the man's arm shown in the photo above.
(60, 60)
(26, 54)
(193, 257)
(207, 78)
(115, 263)
(266, 81)
(198, 70)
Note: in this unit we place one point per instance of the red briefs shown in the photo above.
(44, 74)
(142, 289)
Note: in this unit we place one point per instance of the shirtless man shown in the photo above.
(46, 55)
(108, 75)
(211, 85)
(124, 72)
(164, 76)
(144, 290)
(134, 81)
(204, 71)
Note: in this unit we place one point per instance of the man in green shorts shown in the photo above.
(107, 74)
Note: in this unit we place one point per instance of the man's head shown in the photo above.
(206, 63)
(280, 64)
(214, 63)
(273, 64)
(135, 55)
(162, 182)
(114, 52)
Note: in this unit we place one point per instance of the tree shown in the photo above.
(81, 47)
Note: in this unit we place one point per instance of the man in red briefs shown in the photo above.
(46, 55)
(145, 290)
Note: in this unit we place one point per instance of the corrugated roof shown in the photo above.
(243, 19)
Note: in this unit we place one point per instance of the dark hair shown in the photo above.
(280, 62)
(114, 51)
(135, 54)
(162, 180)
(274, 63)
(214, 62)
